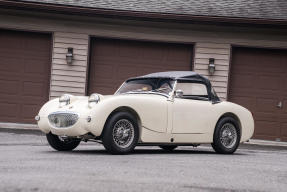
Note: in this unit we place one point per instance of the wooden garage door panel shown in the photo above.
(266, 105)
(8, 109)
(265, 128)
(32, 67)
(113, 61)
(8, 87)
(33, 89)
(248, 102)
(7, 65)
(242, 80)
(258, 79)
(24, 74)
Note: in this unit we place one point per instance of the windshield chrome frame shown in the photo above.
(119, 88)
(146, 92)
(169, 96)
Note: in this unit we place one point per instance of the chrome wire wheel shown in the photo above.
(228, 135)
(123, 133)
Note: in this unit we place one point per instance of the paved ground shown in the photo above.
(27, 163)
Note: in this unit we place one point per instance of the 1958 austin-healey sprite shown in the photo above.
(166, 109)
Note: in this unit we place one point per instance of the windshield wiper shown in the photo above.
(160, 89)
(137, 91)
(146, 92)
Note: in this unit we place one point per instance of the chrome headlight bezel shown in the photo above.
(94, 99)
(64, 100)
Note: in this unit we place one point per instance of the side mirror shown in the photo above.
(178, 93)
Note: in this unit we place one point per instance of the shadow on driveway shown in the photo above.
(143, 152)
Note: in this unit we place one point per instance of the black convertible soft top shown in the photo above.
(175, 75)
(181, 76)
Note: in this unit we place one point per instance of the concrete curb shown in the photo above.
(22, 131)
(266, 143)
(19, 126)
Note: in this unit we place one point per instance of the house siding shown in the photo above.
(221, 53)
(69, 78)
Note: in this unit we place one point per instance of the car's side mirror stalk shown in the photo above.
(179, 93)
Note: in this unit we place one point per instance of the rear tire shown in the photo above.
(121, 133)
(226, 136)
(62, 144)
(168, 147)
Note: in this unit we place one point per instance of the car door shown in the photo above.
(192, 109)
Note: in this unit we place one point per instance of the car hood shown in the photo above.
(104, 97)
(81, 101)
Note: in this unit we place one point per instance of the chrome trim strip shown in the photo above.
(61, 112)
(116, 93)
(152, 130)
(171, 97)
(151, 93)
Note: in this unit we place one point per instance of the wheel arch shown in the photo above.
(124, 109)
(232, 115)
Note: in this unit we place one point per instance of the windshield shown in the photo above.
(150, 85)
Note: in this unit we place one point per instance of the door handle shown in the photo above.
(280, 105)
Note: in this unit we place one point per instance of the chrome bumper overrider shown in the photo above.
(63, 119)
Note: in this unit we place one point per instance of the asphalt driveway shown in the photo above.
(27, 163)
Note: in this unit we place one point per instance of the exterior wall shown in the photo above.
(69, 78)
(210, 42)
(221, 53)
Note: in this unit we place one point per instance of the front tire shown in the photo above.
(62, 144)
(121, 133)
(226, 136)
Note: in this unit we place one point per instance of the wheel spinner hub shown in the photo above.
(123, 133)
(228, 135)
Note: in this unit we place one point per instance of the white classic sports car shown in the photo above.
(167, 109)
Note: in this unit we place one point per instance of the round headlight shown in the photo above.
(93, 99)
(64, 100)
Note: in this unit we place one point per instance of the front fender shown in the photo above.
(152, 111)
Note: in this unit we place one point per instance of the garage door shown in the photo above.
(24, 74)
(259, 82)
(113, 61)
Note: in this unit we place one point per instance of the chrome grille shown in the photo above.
(63, 119)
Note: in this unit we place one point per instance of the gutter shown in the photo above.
(85, 11)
